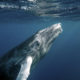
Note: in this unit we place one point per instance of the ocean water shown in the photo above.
(63, 60)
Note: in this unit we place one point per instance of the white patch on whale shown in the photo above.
(25, 69)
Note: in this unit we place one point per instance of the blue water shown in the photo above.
(62, 61)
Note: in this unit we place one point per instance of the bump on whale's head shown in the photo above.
(44, 38)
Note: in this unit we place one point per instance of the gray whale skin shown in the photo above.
(17, 63)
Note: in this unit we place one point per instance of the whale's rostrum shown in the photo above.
(17, 63)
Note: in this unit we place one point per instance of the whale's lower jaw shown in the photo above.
(17, 63)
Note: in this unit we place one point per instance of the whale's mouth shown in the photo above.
(52, 32)
(56, 27)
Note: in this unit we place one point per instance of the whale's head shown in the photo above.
(43, 39)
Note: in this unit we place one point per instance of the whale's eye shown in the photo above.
(36, 44)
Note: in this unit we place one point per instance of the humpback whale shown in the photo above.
(18, 62)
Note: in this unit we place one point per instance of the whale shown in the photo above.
(17, 63)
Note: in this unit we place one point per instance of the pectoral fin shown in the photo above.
(25, 69)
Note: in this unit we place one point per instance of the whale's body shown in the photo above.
(17, 63)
